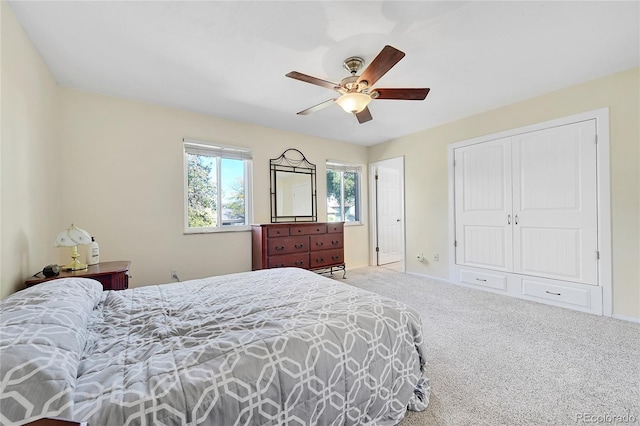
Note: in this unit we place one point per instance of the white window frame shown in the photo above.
(219, 151)
(341, 166)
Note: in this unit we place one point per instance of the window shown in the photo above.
(343, 192)
(217, 187)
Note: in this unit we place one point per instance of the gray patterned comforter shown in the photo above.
(272, 347)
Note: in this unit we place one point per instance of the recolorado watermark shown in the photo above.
(605, 418)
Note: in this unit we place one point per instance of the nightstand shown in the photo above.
(112, 275)
(55, 422)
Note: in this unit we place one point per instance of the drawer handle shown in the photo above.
(555, 294)
(335, 257)
(299, 262)
(279, 247)
(319, 243)
(480, 279)
(320, 259)
(335, 242)
(317, 229)
(299, 245)
(299, 230)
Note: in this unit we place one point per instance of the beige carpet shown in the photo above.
(495, 360)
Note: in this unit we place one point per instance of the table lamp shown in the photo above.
(71, 238)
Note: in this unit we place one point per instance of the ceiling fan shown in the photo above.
(356, 90)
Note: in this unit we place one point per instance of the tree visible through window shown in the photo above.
(216, 187)
(343, 193)
(202, 191)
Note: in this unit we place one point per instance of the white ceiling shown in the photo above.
(229, 58)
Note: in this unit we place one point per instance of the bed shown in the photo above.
(269, 347)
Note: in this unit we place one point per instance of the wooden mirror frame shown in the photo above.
(292, 161)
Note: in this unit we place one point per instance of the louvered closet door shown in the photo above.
(554, 200)
(483, 205)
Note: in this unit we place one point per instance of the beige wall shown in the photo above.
(29, 147)
(128, 180)
(425, 153)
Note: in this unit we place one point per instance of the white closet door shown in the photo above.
(554, 201)
(483, 205)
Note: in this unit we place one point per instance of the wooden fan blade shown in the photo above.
(309, 79)
(403, 94)
(386, 59)
(364, 115)
(317, 107)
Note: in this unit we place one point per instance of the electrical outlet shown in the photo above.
(436, 257)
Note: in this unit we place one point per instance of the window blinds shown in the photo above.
(225, 151)
(343, 167)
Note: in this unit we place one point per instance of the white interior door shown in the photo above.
(555, 203)
(388, 212)
(483, 201)
(389, 219)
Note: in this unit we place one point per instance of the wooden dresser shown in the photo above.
(304, 245)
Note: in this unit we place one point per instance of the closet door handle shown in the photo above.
(516, 219)
(508, 219)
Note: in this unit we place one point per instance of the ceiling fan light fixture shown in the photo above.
(353, 102)
(357, 90)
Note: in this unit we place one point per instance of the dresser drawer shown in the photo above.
(557, 293)
(337, 227)
(117, 281)
(281, 231)
(495, 281)
(326, 241)
(326, 258)
(283, 245)
(308, 229)
(298, 260)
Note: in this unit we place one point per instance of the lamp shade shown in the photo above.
(354, 102)
(72, 237)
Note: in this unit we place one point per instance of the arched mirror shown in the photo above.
(293, 188)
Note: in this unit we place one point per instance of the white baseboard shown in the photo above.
(431, 277)
(626, 318)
